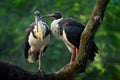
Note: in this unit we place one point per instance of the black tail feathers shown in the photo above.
(93, 51)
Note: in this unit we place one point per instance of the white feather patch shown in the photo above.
(67, 43)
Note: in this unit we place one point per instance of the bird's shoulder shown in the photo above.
(70, 22)
(30, 27)
(47, 29)
(46, 26)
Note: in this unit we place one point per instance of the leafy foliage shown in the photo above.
(16, 15)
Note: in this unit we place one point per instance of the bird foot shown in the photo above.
(70, 63)
(40, 75)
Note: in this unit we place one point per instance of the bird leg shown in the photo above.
(72, 56)
(39, 59)
(76, 52)
(39, 64)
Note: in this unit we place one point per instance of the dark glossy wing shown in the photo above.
(27, 46)
(93, 51)
(73, 30)
(47, 29)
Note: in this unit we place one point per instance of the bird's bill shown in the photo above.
(39, 31)
(48, 15)
(36, 21)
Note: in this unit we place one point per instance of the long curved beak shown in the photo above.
(48, 15)
(36, 21)
(39, 31)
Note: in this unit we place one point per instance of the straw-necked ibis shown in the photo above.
(37, 39)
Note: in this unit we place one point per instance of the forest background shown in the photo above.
(17, 15)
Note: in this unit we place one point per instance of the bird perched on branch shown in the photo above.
(70, 30)
(37, 39)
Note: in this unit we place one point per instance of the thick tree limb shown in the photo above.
(12, 72)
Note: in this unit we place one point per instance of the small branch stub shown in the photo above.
(97, 19)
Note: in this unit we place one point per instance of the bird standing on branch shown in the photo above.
(37, 39)
(70, 30)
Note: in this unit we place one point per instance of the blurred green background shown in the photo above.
(16, 15)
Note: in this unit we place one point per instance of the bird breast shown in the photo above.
(40, 33)
(37, 44)
(55, 28)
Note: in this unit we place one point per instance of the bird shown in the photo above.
(37, 39)
(69, 31)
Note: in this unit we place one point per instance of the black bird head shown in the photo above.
(56, 15)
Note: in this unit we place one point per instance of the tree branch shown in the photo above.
(12, 72)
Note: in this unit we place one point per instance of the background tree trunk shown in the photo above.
(13, 72)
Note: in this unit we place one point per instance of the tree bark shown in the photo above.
(13, 72)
